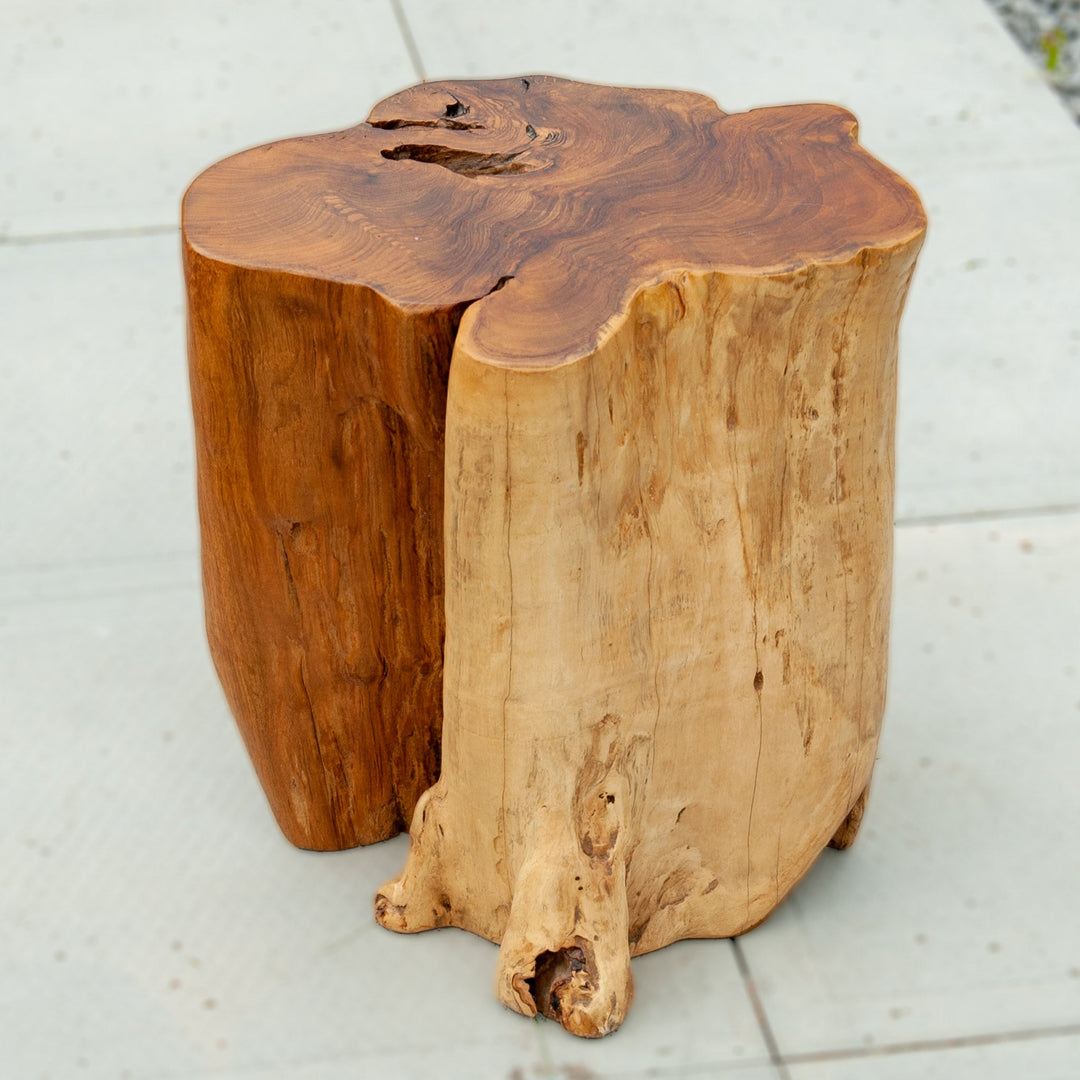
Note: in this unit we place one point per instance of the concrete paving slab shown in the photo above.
(954, 914)
(111, 109)
(990, 347)
(96, 430)
(935, 84)
(154, 923)
(991, 337)
(666, 1033)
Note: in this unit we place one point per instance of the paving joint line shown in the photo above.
(119, 233)
(771, 1045)
(410, 41)
(958, 1042)
(1006, 514)
(103, 562)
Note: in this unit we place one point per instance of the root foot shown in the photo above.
(566, 989)
(415, 901)
(565, 952)
(845, 835)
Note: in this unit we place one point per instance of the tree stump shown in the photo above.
(625, 366)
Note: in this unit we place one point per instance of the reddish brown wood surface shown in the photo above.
(572, 196)
(327, 277)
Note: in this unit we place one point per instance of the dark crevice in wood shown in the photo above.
(442, 122)
(554, 973)
(462, 162)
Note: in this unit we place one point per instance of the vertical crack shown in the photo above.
(294, 597)
(752, 568)
(510, 643)
(838, 373)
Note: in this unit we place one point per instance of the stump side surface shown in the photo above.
(524, 227)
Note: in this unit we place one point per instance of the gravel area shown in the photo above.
(1049, 31)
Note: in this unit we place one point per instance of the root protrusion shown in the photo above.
(844, 837)
(417, 899)
(564, 989)
(568, 958)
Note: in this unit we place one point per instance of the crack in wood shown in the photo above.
(463, 162)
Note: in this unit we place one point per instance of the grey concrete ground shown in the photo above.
(154, 924)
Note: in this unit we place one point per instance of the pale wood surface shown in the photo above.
(668, 575)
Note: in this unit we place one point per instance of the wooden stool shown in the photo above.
(605, 378)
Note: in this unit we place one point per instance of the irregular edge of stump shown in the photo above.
(633, 290)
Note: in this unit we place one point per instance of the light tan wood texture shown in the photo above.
(662, 501)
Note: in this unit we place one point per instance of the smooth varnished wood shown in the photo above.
(319, 414)
(646, 353)
(572, 196)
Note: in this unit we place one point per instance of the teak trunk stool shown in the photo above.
(598, 386)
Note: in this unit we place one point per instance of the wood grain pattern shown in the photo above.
(319, 414)
(646, 353)
(574, 197)
(668, 573)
